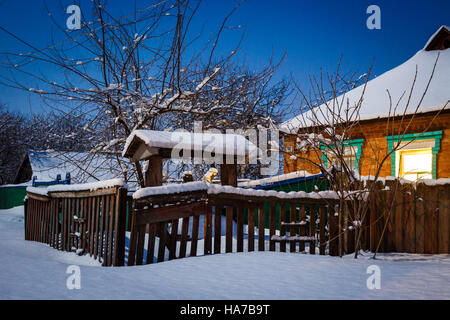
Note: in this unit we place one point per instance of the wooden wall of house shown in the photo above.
(375, 146)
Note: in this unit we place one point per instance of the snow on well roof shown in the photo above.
(214, 142)
(217, 189)
(398, 81)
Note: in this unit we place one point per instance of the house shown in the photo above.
(428, 156)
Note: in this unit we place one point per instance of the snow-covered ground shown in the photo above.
(31, 270)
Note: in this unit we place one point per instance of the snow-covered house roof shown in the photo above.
(83, 167)
(142, 144)
(398, 81)
(279, 179)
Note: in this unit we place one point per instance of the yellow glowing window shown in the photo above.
(415, 164)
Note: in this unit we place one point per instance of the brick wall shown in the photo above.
(375, 146)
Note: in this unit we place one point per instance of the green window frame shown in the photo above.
(349, 143)
(436, 135)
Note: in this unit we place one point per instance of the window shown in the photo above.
(415, 164)
(416, 158)
(352, 154)
(349, 158)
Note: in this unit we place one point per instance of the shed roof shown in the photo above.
(142, 144)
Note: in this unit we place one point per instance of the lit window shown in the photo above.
(415, 164)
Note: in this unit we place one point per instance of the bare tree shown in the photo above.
(142, 71)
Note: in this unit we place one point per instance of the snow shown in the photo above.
(275, 179)
(217, 189)
(170, 189)
(219, 143)
(428, 182)
(398, 81)
(31, 270)
(40, 191)
(91, 186)
(206, 80)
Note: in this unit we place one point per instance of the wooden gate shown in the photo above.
(302, 220)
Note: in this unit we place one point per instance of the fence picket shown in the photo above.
(162, 241)
(194, 240)
(261, 228)
(444, 219)
(302, 228)
(322, 239)
(151, 243)
(217, 227)
(184, 235)
(292, 232)
(282, 230)
(229, 229)
(312, 228)
(272, 222)
(251, 229)
(173, 240)
(240, 228)
(208, 229)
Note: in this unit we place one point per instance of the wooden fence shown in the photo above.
(154, 214)
(413, 218)
(401, 218)
(91, 222)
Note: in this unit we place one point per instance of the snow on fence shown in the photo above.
(84, 218)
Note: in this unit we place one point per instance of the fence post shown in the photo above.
(120, 227)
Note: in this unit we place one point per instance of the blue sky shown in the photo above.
(314, 34)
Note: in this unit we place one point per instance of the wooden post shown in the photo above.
(228, 174)
(153, 175)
